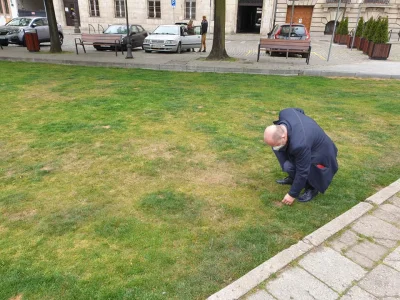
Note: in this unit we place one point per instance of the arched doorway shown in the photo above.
(249, 16)
(329, 27)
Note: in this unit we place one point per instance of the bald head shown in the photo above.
(274, 134)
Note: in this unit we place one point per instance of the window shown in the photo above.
(120, 8)
(190, 9)
(94, 8)
(154, 9)
(38, 22)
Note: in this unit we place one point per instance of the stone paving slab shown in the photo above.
(389, 213)
(296, 283)
(335, 270)
(395, 200)
(344, 241)
(322, 234)
(356, 293)
(260, 295)
(371, 250)
(376, 228)
(359, 259)
(393, 259)
(256, 276)
(382, 281)
(386, 243)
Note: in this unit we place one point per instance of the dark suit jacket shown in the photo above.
(308, 146)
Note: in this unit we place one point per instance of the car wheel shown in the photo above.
(98, 48)
(61, 38)
(304, 55)
(179, 49)
(4, 43)
(147, 51)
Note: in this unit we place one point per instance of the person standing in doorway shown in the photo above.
(203, 32)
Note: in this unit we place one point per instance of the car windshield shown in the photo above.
(167, 30)
(116, 29)
(19, 22)
(298, 30)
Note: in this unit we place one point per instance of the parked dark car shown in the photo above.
(297, 32)
(14, 31)
(137, 36)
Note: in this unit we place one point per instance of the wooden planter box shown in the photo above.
(343, 39)
(349, 41)
(361, 45)
(357, 41)
(336, 38)
(365, 47)
(370, 48)
(380, 51)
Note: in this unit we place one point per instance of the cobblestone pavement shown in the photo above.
(354, 257)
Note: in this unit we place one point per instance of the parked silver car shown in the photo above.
(172, 38)
(13, 32)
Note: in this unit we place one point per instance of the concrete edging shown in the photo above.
(252, 279)
(205, 69)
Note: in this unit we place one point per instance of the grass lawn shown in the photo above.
(136, 184)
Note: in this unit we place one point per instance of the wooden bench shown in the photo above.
(288, 46)
(99, 39)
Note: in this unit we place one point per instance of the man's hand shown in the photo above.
(288, 200)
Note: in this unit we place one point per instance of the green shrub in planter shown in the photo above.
(381, 31)
(360, 26)
(345, 26)
(380, 48)
(367, 27)
(372, 29)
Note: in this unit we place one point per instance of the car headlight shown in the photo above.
(170, 42)
(13, 31)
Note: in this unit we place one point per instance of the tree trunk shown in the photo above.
(218, 51)
(55, 46)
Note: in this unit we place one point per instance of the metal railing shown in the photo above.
(91, 26)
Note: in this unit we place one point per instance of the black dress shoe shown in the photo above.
(287, 180)
(308, 195)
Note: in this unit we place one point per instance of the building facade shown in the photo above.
(242, 16)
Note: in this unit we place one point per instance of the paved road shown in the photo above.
(242, 47)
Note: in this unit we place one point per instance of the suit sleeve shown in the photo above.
(303, 161)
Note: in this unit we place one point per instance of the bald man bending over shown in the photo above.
(304, 151)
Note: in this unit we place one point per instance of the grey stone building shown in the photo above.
(242, 16)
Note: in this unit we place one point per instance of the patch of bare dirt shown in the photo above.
(22, 215)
